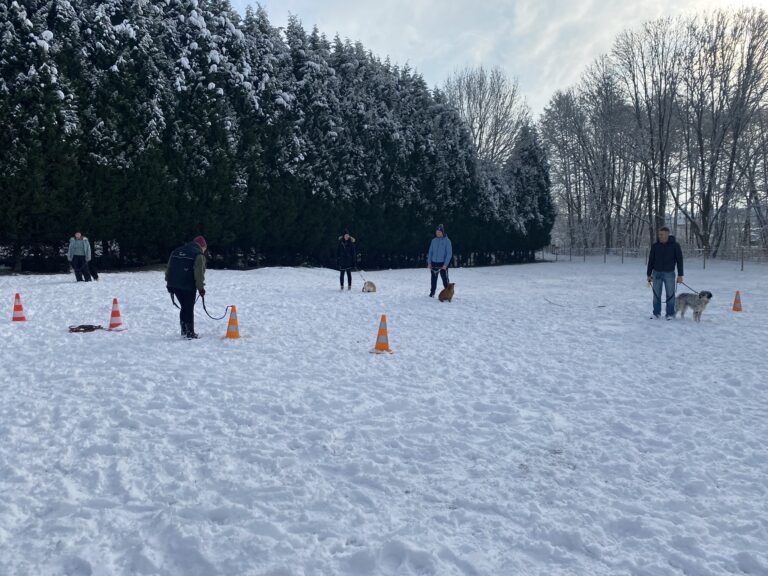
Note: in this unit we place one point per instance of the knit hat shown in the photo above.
(440, 228)
(200, 241)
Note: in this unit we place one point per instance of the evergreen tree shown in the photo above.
(143, 123)
(528, 173)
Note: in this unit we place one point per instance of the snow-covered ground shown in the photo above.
(507, 435)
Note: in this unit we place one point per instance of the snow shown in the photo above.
(505, 435)
(47, 35)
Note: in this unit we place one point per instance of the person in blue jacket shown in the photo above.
(439, 258)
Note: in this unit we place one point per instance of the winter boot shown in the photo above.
(188, 331)
(191, 331)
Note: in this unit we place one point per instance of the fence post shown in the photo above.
(605, 255)
(742, 258)
(622, 253)
(705, 258)
(570, 253)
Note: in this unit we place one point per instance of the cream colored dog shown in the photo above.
(369, 286)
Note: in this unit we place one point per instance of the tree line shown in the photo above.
(669, 128)
(143, 123)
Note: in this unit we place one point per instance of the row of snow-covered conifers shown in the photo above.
(143, 123)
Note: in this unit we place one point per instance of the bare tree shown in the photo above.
(672, 125)
(649, 63)
(492, 107)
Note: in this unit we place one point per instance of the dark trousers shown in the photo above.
(80, 267)
(348, 272)
(186, 299)
(92, 270)
(437, 270)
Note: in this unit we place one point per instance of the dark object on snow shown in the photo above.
(85, 328)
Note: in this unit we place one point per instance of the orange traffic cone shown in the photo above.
(737, 302)
(115, 321)
(382, 340)
(18, 310)
(233, 330)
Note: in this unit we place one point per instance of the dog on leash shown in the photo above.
(369, 286)
(696, 302)
(447, 293)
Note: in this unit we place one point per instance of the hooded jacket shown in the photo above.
(80, 247)
(440, 251)
(664, 257)
(346, 255)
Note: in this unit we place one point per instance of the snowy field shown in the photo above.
(507, 435)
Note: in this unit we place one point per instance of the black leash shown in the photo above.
(689, 288)
(658, 296)
(226, 310)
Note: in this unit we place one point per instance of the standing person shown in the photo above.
(184, 277)
(665, 255)
(92, 265)
(346, 258)
(439, 258)
(79, 254)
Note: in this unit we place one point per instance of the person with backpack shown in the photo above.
(79, 255)
(665, 255)
(439, 258)
(346, 258)
(184, 279)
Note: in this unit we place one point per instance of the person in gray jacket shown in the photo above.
(439, 258)
(79, 255)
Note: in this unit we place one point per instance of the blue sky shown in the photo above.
(546, 44)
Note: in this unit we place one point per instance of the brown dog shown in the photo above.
(369, 286)
(446, 293)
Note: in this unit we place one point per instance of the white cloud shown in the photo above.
(545, 43)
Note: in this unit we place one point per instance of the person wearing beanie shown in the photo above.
(79, 255)
(439, 258)
(184, 278)
(346, 258)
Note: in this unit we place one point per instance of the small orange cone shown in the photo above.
(737, 302)
(116, 321)
(18, 310)
(382, 340)
(233, 330)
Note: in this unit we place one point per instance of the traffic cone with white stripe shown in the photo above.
(737, 302)
(382, 339)
(18, 310)
(233, 330)
(115, 321)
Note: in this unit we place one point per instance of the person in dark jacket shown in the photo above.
(665, 255)
(184, 278)
(346, 258)
(79, 255)
(439, 258)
